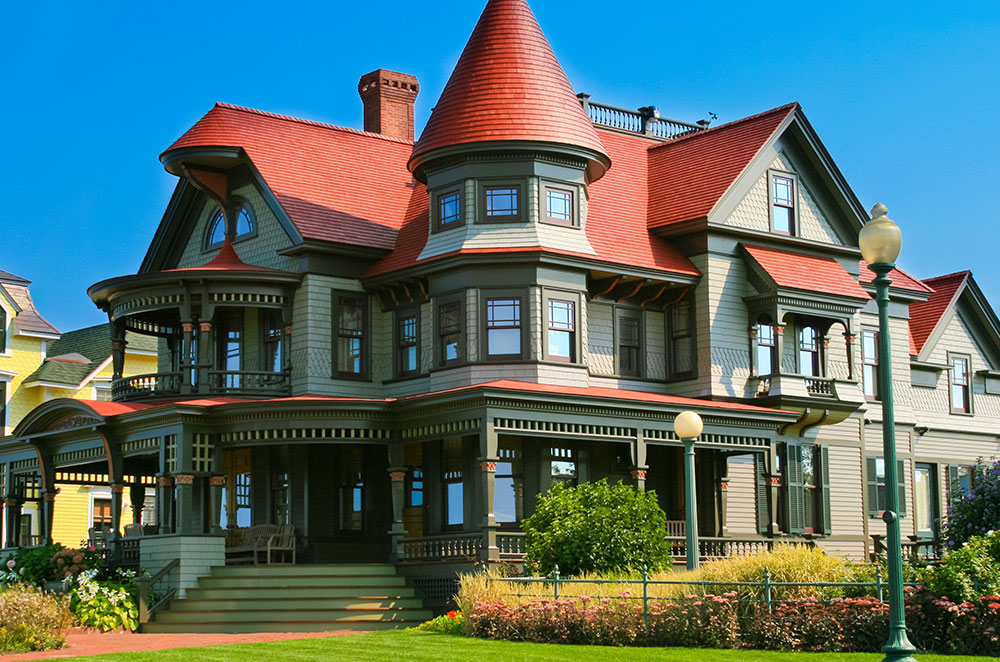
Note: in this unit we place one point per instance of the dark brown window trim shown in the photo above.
(511, 218)
(438, 225)
(365, 336)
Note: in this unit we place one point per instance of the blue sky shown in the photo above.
(905, 96)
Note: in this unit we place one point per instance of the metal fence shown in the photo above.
(766, 592)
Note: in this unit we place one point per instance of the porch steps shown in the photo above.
(305, 598)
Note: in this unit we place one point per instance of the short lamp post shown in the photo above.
(688, 427)
(879, 242)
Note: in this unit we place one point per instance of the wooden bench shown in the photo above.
(261, 543)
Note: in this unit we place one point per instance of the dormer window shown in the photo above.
(449, 210)
(765, 349)
(246, 227)
(782, 190)
(559, 206)
(809, 359)
(502, 203)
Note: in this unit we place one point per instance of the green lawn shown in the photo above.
(407, 646)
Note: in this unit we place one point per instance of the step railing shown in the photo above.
(156, 591)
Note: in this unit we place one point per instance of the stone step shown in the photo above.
(271, 626)
(228, 603)
(305, 592)
(337, 570)
(360, 581)
(294, 615)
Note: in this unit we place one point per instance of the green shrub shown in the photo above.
(109, 605)
(975, 513)
(451, 623)
(31, 565)
(965, 573)
(596, 527)
(69, 562)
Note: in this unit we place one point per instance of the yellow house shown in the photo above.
(38, 364)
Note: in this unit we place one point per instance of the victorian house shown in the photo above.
(395, 345)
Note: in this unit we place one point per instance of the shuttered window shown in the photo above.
(763, 509)
(805, 489)
(877, 486)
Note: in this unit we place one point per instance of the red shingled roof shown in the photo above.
(688, 176)
(806, 272)
(925, 315)
(616, 221)
(323, 176)
(508, 85)
(899, 278)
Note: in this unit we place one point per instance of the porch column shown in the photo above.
(137, 497)
(12, 508)
(723, 492)
(45, 526)
(779, 349)
(216, 484)
(849, 338)
(774, 490)
(185, 503)
(286, 350)
(397, 476)
(488, 446)
(165, 503)
(204, 356)
(186, 359)
(117, 349)
(639, 466)
(117, 489)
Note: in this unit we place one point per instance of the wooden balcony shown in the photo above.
(188, 382)
(820, 400)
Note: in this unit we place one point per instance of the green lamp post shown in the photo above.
(879, 242)
(688, 427)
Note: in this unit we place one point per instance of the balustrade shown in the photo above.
(637, 122)
(146, 386)
(165, 384)
(453, 547)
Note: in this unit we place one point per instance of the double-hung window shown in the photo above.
(503, 328)
(350, 320)
(765, 349)
(960, 480)
(272, 332)
(680, 335)
(869, 363)
(452, 483)
(561, 330)
(782, 203)
(629, 341)
(809, 355)
(449, 333)
(407, 325)
(877, 486)
(805, 486)
(959, 392)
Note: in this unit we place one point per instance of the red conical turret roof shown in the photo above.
(509, 86)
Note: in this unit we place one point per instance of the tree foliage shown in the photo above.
(977, 512)
(596, 527)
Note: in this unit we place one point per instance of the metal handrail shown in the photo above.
(145, 585)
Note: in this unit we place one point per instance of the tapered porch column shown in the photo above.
(204, 356)
(12, 511)
(639, 466)
(488, 446)
(165, 503)
(774, 489)
(48, 510)
(137, 497)
(397, 478)
(216, 483)
(185, 503)
(187, 359)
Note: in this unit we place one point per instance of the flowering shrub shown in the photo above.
(106, 605)
(24, 638)
(967, 572)
(32, 619)
(966, 628)
(842, 624)
(451, 623)
(978, 511)
(31, 565)
(708, 622)
(67, 563)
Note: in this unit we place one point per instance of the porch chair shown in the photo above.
(254, 538)
(97, 537)
(282, 543)
(133, 531)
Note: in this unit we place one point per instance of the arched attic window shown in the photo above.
(246, 226)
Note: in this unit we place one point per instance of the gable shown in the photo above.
(966, 325)
(259, 250)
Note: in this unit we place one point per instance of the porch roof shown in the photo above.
(809, 273)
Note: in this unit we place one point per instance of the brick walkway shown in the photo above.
(80, 643)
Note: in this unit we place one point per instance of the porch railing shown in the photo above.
(156, 591)
(720, 548)
(145, 386)
(445, 547)
(645, 121)
(247, 381)
(676, 527)
(128, 551)
(820, 387)
(511, 545)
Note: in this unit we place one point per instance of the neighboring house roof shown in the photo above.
(925, 315)
(900, 279)
(688, 176)
(335, 184)
(28, 319)
(806, 272)
(77, 354)
(508, 85)
(616, 221)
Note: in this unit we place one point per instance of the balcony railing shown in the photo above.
(446, 547)
(820, 387)
(645, 122)
(169, 384)
(147, 386)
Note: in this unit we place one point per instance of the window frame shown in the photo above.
(240, 204)
(793, 215)
(399, 348)
(876, 509)
(792, 513)
(574, 209)
(439, 332)
(573, 299)
(486, 187)
(953, 357)
(267, 341)
(672, 338)
(817, 353)
(870, 362)
(413, 479)
(439, 225)
(757, 345)
(640, 353)
(335, 330)
(451, 476)
(524, 321)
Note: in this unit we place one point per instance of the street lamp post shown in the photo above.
(688, 427)
(879, 242)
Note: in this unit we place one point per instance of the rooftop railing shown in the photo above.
(645, 121)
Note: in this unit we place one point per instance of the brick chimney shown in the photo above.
(388, 97)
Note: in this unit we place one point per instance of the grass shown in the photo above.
(412, 646)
